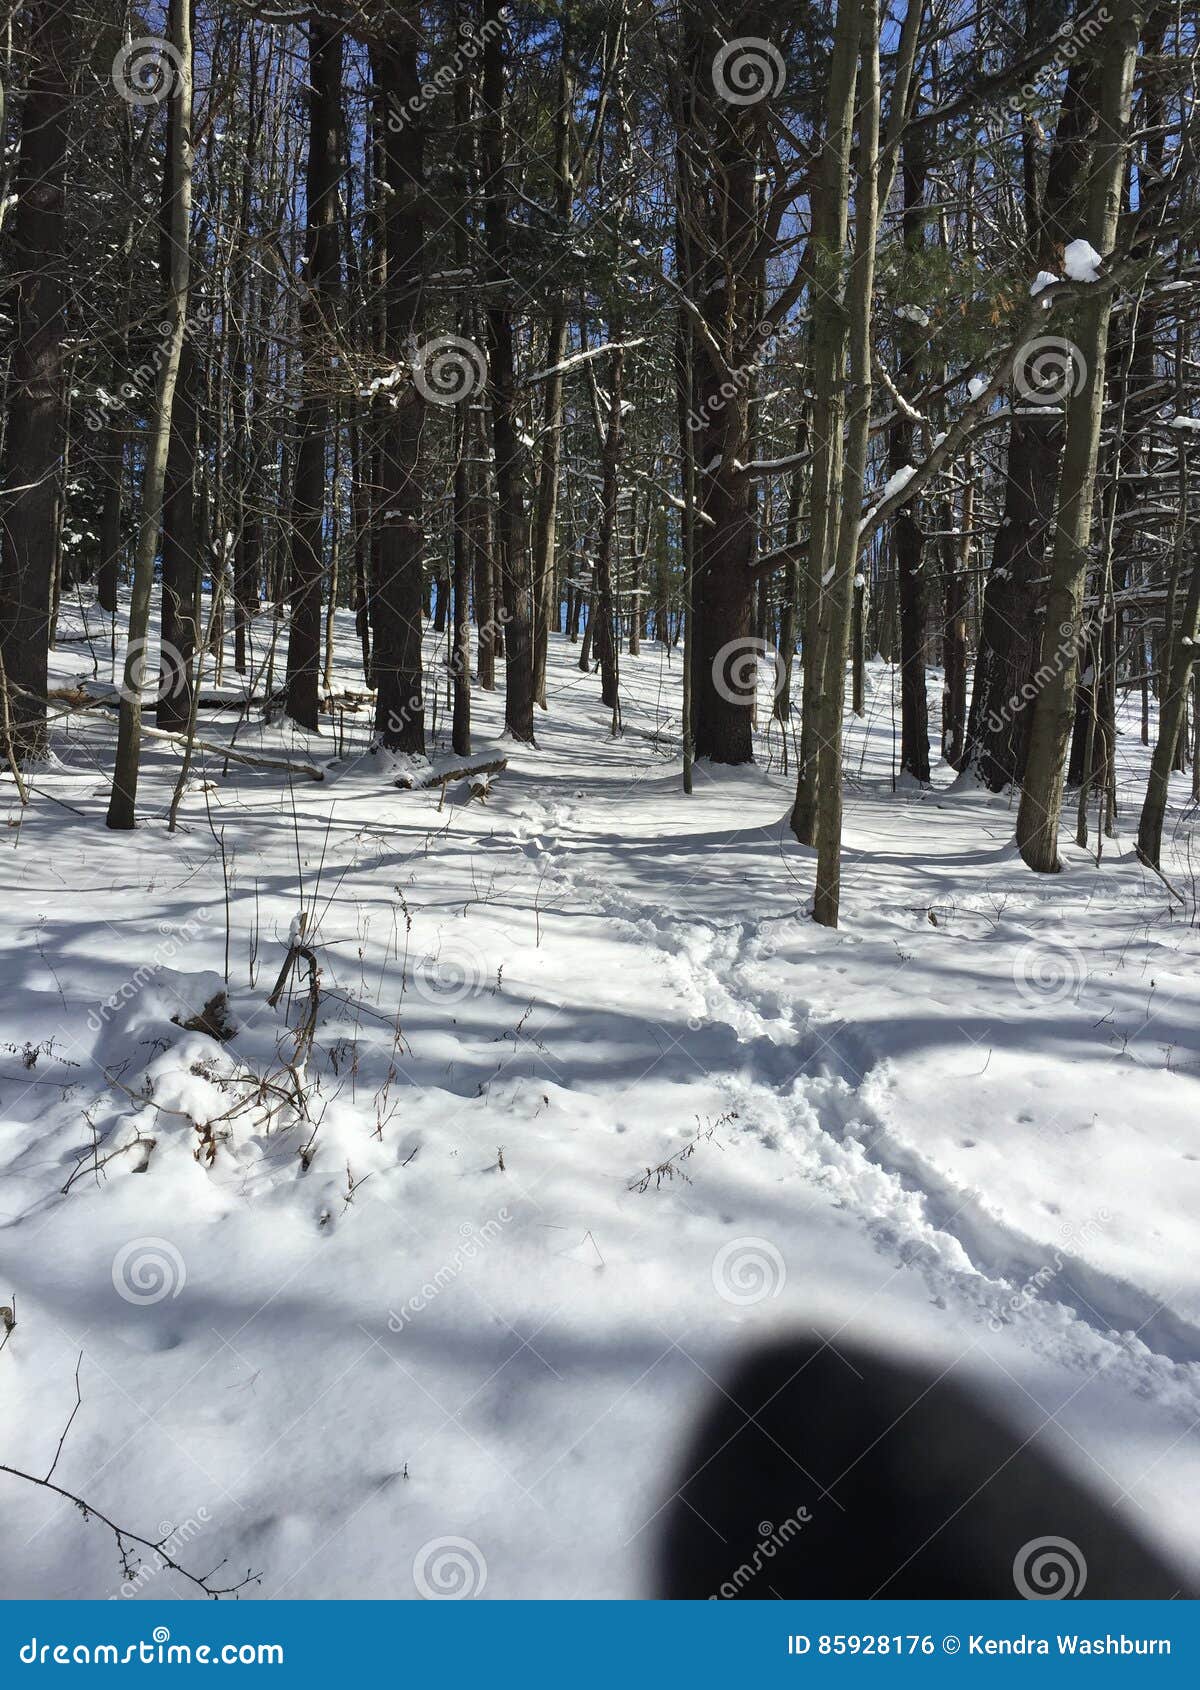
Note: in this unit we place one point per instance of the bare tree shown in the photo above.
(123, 797)
(33, 437)
(1053, 712)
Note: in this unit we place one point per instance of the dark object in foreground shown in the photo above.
(834, 1473)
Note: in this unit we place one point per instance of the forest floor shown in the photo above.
(589, 1102)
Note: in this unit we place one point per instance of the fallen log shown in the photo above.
(255, 759)
(443, 774)
(105, 694)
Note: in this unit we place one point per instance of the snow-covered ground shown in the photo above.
(590, 1103)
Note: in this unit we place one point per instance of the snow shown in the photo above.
(581, 1061)
(976, 386)
(568, 364)
(388, 382)
(1081, 262)
(894, 484)
(1043, 280)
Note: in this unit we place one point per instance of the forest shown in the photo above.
(600, 758)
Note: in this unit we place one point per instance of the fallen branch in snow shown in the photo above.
(672, 1167)
(236, 701)
(144, 1099)
(84, 1166)
(436, 776)
(1154, 869)
(125, 1538)
(255, 759)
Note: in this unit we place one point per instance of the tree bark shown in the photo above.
(512, 534)
(317, 328)
(1172, 716)
(999, 719)
(1053, 710)
(33, 439)
(907, 535)
(723, 222)
(123, 797)
(830, 223)
(181, 564)
(546, 513)
(397, 599)
(605, 639)
(837, 600)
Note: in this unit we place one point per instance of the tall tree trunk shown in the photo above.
(248, 543)
(246, 382)
(545, 520)
(460, 643)
(907, 535)
(790, 598)
(318, 300)
(361, 508)
(123, 798)
(33, 439)
(482, 530)
(181, 565)
(837, 600)
(723, 219)
(110, 457)
(397, 599)
(956, 563)
(662, 584)
(512, 534)
(606, 638)
(999, 720)
(111, 465)
(460, 650)
(1172, 715)
(830, 222)
(1053, 711)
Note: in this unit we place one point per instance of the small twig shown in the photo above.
(62, 1440)
(122, 1534)
(1154, 869)
(98, 1161)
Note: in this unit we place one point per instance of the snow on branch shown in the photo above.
(581, 358)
